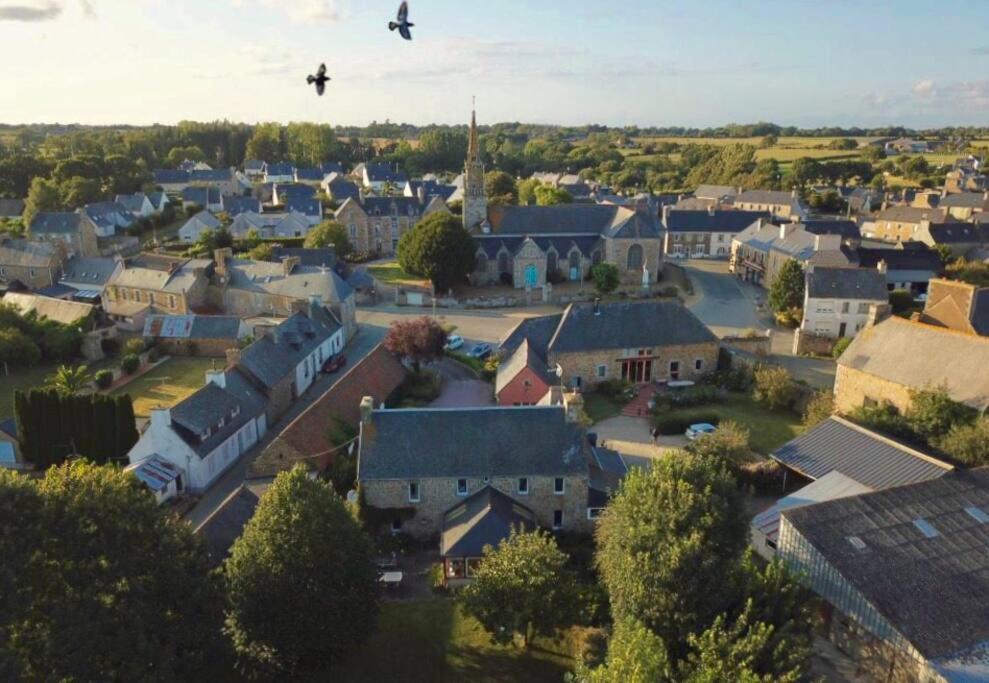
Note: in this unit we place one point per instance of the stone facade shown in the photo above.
(853, 388)
(249, 303)
(631, 254)
(173, 303)
(379, 230)
(587, 365)
(437, 495)
(35, 276)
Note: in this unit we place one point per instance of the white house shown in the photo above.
(281, 172)
(138, 204)
(195, 226)
(837, 300)
(203, 435)
(159, 476)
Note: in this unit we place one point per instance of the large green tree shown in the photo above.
(635, 655)
(265, 143)
(670, 534)
(500, 188)
(551, 196)
(521, 588)
(98, 583)
(786, 291)
(42, 196)
(330, 234)
(606, 277)
(440, 249)
(301, 582)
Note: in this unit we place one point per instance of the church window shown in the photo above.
(634, 260)
(551, 265)
(503, 265)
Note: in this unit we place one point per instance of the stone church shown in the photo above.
(526, 246)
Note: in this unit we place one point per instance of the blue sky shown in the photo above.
(690, 63)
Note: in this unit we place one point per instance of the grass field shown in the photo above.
(600, 407)
(392, 274)
(431, 641)
(167, 384)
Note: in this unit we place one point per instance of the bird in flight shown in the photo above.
(319, 79)
(402, 24)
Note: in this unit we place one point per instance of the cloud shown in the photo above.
(30, 11)
(925, 88)
(954, 94)
(302, 10)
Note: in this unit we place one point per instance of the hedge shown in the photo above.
(103, 379)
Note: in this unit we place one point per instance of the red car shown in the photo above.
(335, 363)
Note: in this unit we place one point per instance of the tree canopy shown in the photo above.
(418, 341)
(786, 291)
(438, 248)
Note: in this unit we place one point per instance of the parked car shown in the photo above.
(454, 342)
(479, 351)
(696, 431)
(334, 363)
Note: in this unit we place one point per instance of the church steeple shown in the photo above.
(475, 202)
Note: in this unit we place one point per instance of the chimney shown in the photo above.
(786, 229)
(233, 357)
(985, 196)
(288, 264)
(217, 377)
(161, 418)
(877, 313)
(421, 194)
(315, 303)
(882, 266)
(666, 214)
(221, 257)
(597, 305)
(573, 404)
(367, 408)
(710, 210)
(793, 193)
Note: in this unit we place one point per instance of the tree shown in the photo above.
(262, 252)
(968, 443)
(301, 582)
(728, 444)
(773, 387)
(17, 349)
(206, 243)
(222, 239)
(671, 533)
(42, 196)
(606, 277)
(499, 186)
(176, 155)
(78, 191)
(440, 249)
(932, 413)
(93, 572)
(840, 346)
(265, 143)
(60, 342)
(635, 655)
(787, 288)
(521, 588)
(819, 408)
(944, 251)
(418, 341)
(527, 190)
(69, 379)
(330, 234)
(551, 196)
(727, 652)
(900, 300)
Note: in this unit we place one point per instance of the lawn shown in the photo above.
(431, 640)
(167, 384)
(769, 430)
(391, 273)
(31, 378)
(600, 407)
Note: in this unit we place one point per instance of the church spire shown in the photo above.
(473, 148)
(475, 208)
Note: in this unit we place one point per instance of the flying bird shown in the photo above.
(319, 79)
(403, 24)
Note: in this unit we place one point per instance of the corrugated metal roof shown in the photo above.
(155, 472)
(864, 456)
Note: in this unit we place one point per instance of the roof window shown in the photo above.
(978, 514)
(857, 542)
(925, 527)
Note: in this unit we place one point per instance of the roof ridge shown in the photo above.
(939, 328)
(892, 442)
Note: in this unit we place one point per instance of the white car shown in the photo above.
(696, 431)
(454, 342)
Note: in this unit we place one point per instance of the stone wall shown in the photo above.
(584, 364)
(810, 343)
(280, 399)
(436, 496)
(616, 252)
(761, 345)
(853, 387)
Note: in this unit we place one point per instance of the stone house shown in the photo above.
(376, 224)
(88, 276)
(654, 341)
(959, 238)
(957, 306)
(421, 463)
(901, 223)
(74, 229)
(249, 288)
(57, 310)
(964, 205)
(704, 234)
(759, 251)
(155, 284)
(837, 300)
(892, 357)
(110, 218)
(196, 335)
(226, 180)
(34, 264)
(778, 204)
(909, 265)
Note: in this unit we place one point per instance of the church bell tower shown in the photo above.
(475, 202)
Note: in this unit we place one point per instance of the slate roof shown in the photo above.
(286, 190)
(483, 519)
(201, 195)
(217, 175)
(11, 208)
(382, 206)
(432, 189)
(234, 205)
(909, 214)
(254, 165)
(306, 206)
(491, 244)
(225, 525)
(158, 200)
(471, 442)
(193, 327)
(384, 173)
(149, 272)
(109, 214)
(799, 244)
(847, 283)
(523, 357)
(849, 230)
(56, 222)
(586, 244)
(620, 325)
(677, 220)
(919, 258)
(715, 191)
(279, 169)
(311, 174)
(89, 270)
(867, 457)
(574, 219)
(957, 233)
(209, 404)
(307, 257)
(169, 176)
(932, 590)
(204, 220)
(27, 253)
(304, 281)
(58, 310)
(967, 200)
(204, 408)
(9, 427)
(277, 354)
(767, 197)
(341, 189)
(538, 331)
(132, 202)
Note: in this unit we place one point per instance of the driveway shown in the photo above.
(722, 301)
(460, 386)
(630, 437)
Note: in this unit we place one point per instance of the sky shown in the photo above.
(693, 63)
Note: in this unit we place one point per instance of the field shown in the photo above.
(432, 641)
(167, 384)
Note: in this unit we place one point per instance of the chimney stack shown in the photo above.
(666, 214)
(877, 313)
(421, 194)
(288, 264)
(221, 257)
(217, 377)
(233, 357)
(882, 266)
(786, 229)
(710, 210)
(597, 306)
(573, 404)
(367, 407)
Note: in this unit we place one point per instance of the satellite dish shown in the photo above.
(351, 496)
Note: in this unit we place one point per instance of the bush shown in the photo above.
(900, 300)
(765, 477)
(840, 346)
(678, 422)
(738, 378)
(819, 408)
(490, 368)
(613, 388)
(418, 389)
(103, 379)
(669, 291)
(134, 347)
(130, 364)
(774, 387)
(153, 354)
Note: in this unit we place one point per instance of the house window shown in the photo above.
(352, 229)
(455, 569)
(559, 486)
(863, 309)
(674, 370)
(594, 513)
(413, 492)
(699, 364)
(171, 300)
(557, 519)
(523, 486)
(844, 307)
(602, 371)
(551, 262)
(31, 272)
(396, 524)
(461, 487)
(151, 298)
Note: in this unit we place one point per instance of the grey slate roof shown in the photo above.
(575, 219)
(715, 191)
(204, 408)
(132, 202)
(56, 222)
(26, 253)
(277, 354)
(280, 168)
(967, 200)
(193, 327)
(222, 528)
(307, 206)
(209, 404)
(956, 233)
(307, 257)
(471, 442)
(484, 518)
(201, 195)
(285, 190)
(539, 331)
(677, 220)
(91, 270)
(309, 174)
(384, 173)
(341, 189)
(910, 214)
(523, 357)
(858, 453)
(234, 204)
(934, 591)
(621, 325)
(847, 229)
(920, 258)
(382, 206)
(167, 176)
(216, 175)
(847, 283)
(302, 283)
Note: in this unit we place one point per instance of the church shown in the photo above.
(528, 246)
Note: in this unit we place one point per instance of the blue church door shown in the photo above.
(530, 276)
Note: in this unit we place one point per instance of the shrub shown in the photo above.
(765, 477)
(840, 346)
(738, 378)
(134, 346)
(669, 291)
(900, 300)
(773, 387)
(613, 388)
(819, 408)
(490, 368)
(110, 345)
(153, 354)
(103, 379)
(677, 423)
(130, 364)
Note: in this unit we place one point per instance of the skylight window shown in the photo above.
(857, 542)
(925, 527)
(978, 514)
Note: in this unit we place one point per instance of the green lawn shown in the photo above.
(391, 273)
(600, 407)
(769, 430)
(431, 641)
(168, 383)
(31, 378)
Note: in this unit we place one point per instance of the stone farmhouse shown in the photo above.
(155, 284)
(706, 233)
(376, 224)
(34, 264)
(74, 229)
